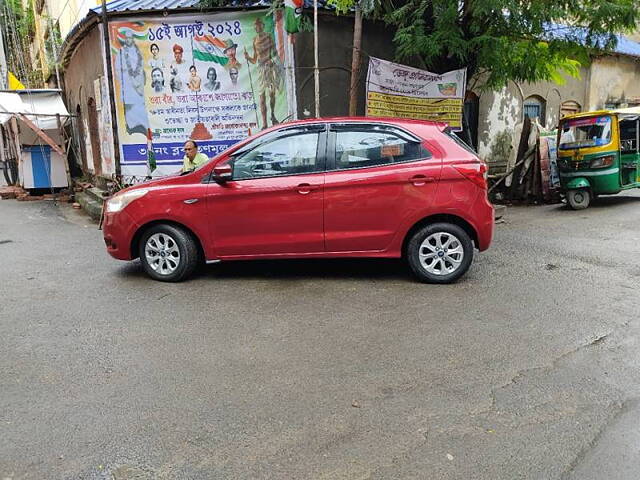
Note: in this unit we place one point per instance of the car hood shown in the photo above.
(173, 179)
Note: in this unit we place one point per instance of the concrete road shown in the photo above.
(528, 368)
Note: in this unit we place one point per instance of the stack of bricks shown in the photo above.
(22, 195)
(11, 192)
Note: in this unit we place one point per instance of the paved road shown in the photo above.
(528, 368)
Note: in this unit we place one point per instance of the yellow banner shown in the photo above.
(447, 110)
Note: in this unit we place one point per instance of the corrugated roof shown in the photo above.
(624, 45)
(132, 5)
(120, 6)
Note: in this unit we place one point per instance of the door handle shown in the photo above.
(305, 188)
(419, 180)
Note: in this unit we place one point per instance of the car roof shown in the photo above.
(402, 122)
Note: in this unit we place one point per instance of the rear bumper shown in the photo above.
(118, 231)
(484, 214)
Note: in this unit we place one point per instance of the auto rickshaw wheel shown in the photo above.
(579, 198)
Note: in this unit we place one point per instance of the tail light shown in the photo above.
(476, 173)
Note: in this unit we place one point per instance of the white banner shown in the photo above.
(395, 90)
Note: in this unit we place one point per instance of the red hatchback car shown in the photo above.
(335, 187)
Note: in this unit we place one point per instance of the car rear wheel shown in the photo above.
(440, 253)
(168, 253)
(579, 199)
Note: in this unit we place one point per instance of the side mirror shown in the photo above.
(222, 173)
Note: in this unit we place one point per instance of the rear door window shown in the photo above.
(361, 148)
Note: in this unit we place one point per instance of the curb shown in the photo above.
(90, 204)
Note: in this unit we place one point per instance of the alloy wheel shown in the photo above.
(441, 253)
(162, 253)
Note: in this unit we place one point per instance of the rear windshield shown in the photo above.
(459, 141)
(585, 132)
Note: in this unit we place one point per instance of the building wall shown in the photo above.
(502, 111)
(69, 13)
(335, 38)
(85, 66)
(38, 54)
(614, 82)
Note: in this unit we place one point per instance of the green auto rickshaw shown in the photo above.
(598, 154)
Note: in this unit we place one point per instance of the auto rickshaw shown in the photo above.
(598, 154)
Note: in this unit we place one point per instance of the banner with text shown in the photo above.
(213, 78)
(395, 90)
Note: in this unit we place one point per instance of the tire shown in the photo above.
(168, 253)
(579, 199)
(430, 253)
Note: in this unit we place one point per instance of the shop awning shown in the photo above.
(39, 106)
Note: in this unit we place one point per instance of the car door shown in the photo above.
(378, 175)
(273, 205)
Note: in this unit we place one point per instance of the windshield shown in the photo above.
(585, 132)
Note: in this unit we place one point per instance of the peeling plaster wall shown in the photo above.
(501, 111)
(614, 80)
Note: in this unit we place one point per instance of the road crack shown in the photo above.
(544, 368)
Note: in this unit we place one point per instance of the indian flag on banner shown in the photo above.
(119, 33)
(151, 156)
(292, 15)
(208, 48)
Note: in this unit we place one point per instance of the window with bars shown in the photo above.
(534, 106)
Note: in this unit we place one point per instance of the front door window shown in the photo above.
(291, 155)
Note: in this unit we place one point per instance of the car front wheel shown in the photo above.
(440, 253)
(168, 253)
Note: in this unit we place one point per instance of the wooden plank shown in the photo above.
(41, 134)
(64, 156)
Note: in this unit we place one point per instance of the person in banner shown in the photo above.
(233, 75)
(230, 52)
(192, 158)
(157, 80)
(212, 83)
(194, 81)
(265, 55)
(155, 61)
(177, 69)
(132, 79)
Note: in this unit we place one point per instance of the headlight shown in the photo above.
(602, 162)
(121, 200)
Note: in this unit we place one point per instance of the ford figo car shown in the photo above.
(329, 188)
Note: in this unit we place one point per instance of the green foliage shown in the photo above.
(342, 6)
(505, 39)
(53, 44)
(18, 27)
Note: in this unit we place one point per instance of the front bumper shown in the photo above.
(118, 230)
